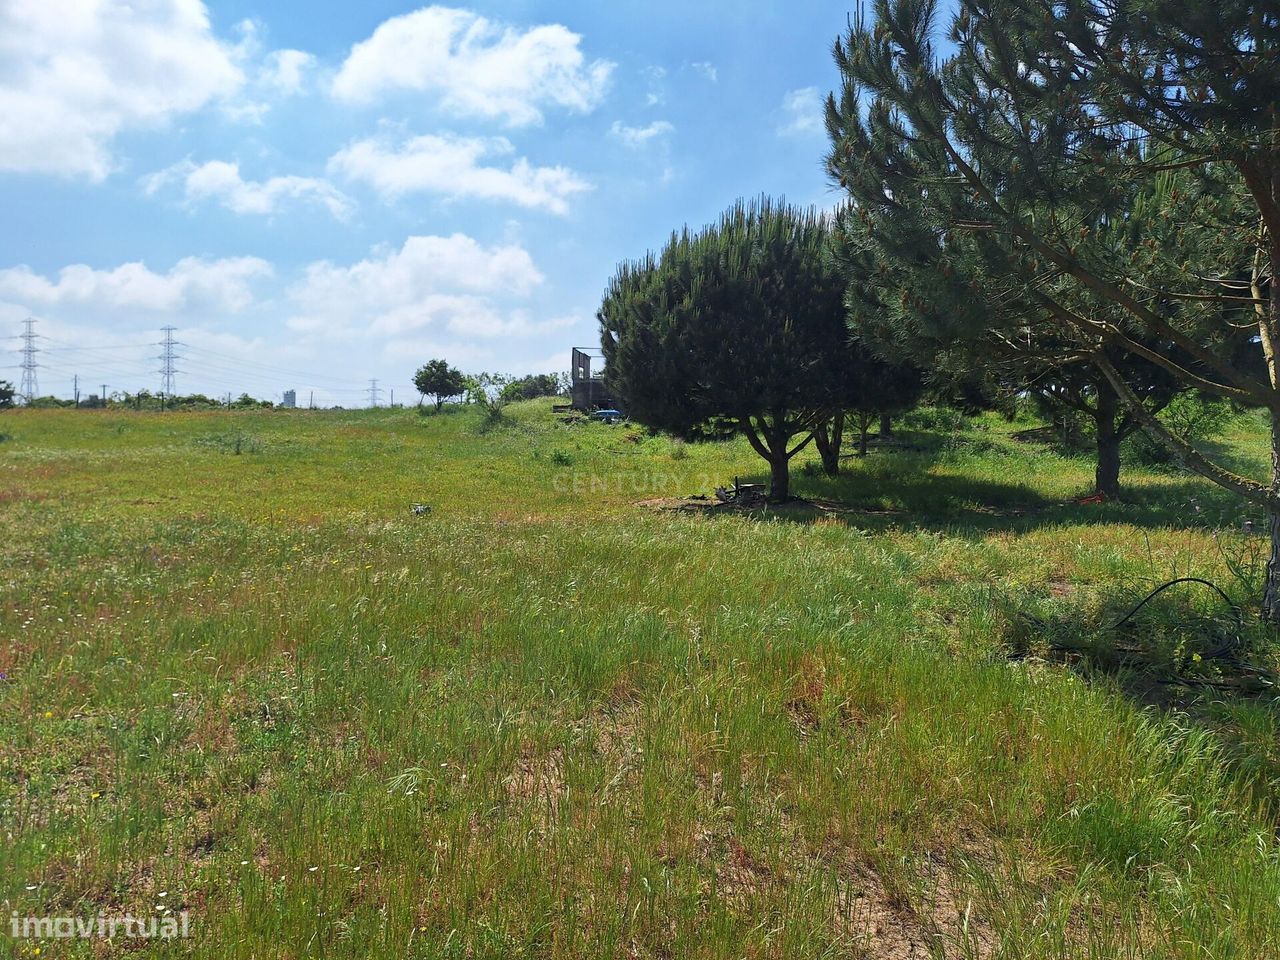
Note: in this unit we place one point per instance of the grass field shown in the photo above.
(243, 681)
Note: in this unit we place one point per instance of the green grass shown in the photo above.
(544, 721)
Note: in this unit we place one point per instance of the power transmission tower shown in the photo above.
(373, 392)
(30, 383)
(167, 369)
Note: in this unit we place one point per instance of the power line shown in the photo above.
(270, 368)
(30, 383)
(60, 347)
(73, 361)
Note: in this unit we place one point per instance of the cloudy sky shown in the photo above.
(319, 193)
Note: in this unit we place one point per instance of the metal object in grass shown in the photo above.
(741, 492)
(419, 509)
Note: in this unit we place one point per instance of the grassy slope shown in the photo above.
(544, 721)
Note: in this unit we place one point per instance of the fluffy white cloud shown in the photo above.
(73, 74)
(285, 71)
(637, 137)
(475, 66)
(449, 283)
(225, 284)
(802, 112)
(221, 181)
(451, 166)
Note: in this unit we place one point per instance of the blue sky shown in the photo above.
(317, 194)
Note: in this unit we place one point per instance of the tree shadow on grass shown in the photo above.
(933, 483)
(903, 490)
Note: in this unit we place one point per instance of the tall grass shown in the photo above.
(546, 721)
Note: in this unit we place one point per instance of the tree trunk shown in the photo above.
(828, 439)
(1107, 474)
(864, 429)
(1268, 328)
(779, 476)
(1271, 593)
(886, 425)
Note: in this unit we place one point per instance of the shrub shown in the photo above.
(945, 419)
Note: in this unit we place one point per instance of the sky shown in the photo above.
(317, 194)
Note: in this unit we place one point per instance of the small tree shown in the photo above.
(6, 393)
(743, 323)
(488, 391)
(437, 379)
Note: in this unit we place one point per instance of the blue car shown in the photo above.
(607, 416)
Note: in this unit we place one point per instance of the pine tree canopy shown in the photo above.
(744, 323)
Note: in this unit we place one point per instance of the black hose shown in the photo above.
(1165, 586)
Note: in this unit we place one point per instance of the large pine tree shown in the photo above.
(741, 323)
(1108, 168)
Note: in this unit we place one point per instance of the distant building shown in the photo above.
(586, 376)
(290, 399)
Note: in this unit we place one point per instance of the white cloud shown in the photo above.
(221, 181)
(74, 74)
(285, 71)
(451, 166)
(225, 284)
(475, 66)
(450, 284)
(252, 112)
(802, 113)
(708, 70)
(637, 137)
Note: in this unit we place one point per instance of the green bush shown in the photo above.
(945, 419)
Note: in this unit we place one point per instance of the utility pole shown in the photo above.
(167, 369)
(104, 396)
(393, 396)
(311, 404)
(30, 383)
(373, 392)
(75, 380)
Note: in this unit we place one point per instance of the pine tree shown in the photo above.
(742, 323)
(1108, 170)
